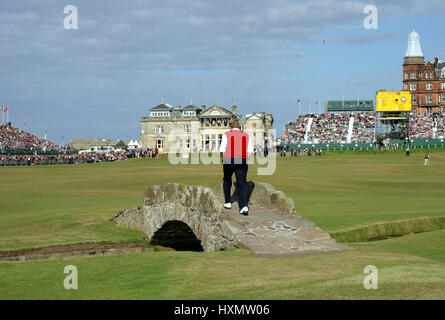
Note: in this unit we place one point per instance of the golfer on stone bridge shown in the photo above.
(236, 148)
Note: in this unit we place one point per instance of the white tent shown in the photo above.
(133, 145)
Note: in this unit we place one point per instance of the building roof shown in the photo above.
(216, 111)
(191, 107)
(91, 142)
(413, 49)
(162, 107)
(253, 115)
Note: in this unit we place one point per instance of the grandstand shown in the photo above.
(15, 140)
(354, 127)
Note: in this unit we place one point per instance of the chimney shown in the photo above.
(436, 62)
(178, 106)
(234, 109)
(203, 107)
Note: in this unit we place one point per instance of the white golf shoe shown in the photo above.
(244, 210)
(228, 205)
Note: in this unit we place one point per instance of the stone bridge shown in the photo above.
(189, 217)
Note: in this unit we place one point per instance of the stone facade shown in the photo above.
(272, 227)
(425, 80)
(194, 129)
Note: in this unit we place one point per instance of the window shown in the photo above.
(213, 142)
(412, 86)
(420, 75)
(429, 98)
(160, 114)
(406, 76)
(443, 85)
(431, 75)
(405, 87)
(159, 129)
(187, 143)
(189, 113)
(414, 98)
(219, 139)
(429, 86)
(443, 97)
(413, 75)
(159, 143)
(206, 142)
(426, 75)
(187, 128)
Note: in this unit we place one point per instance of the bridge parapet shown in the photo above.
(271, 227)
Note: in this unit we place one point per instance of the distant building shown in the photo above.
(350, 106)
(195, 129)
(425, 80)
(97, 145)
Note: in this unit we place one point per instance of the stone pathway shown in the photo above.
(267, 231)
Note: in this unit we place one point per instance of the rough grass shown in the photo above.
(390, 229)
(233, 274)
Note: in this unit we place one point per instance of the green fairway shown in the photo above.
(339, 191)
(72, 203)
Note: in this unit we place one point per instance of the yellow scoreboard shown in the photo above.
(393, 101)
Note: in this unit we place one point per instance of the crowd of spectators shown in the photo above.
(22, 148)
(60, 158)
(76, 158)
(294, 131)
(16, 139)
(364, 127)
(329, 127)
(422, 125)
(145, 153)
(333, 127)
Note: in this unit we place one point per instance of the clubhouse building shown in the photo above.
(195, 129)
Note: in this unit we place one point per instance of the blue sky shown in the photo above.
(99, 80)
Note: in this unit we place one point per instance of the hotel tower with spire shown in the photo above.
(425, 80)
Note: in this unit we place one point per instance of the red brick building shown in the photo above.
(425, 81)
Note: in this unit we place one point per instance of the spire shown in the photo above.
(413, 49)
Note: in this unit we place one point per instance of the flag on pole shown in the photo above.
(1, 107)
(298, 100)
(318, 101)
(6, 109)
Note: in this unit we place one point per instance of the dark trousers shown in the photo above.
(240, 171)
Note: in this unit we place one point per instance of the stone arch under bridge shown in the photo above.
(272, 226)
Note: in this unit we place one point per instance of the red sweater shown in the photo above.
(237, 142)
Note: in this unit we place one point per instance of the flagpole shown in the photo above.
(357, 102)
